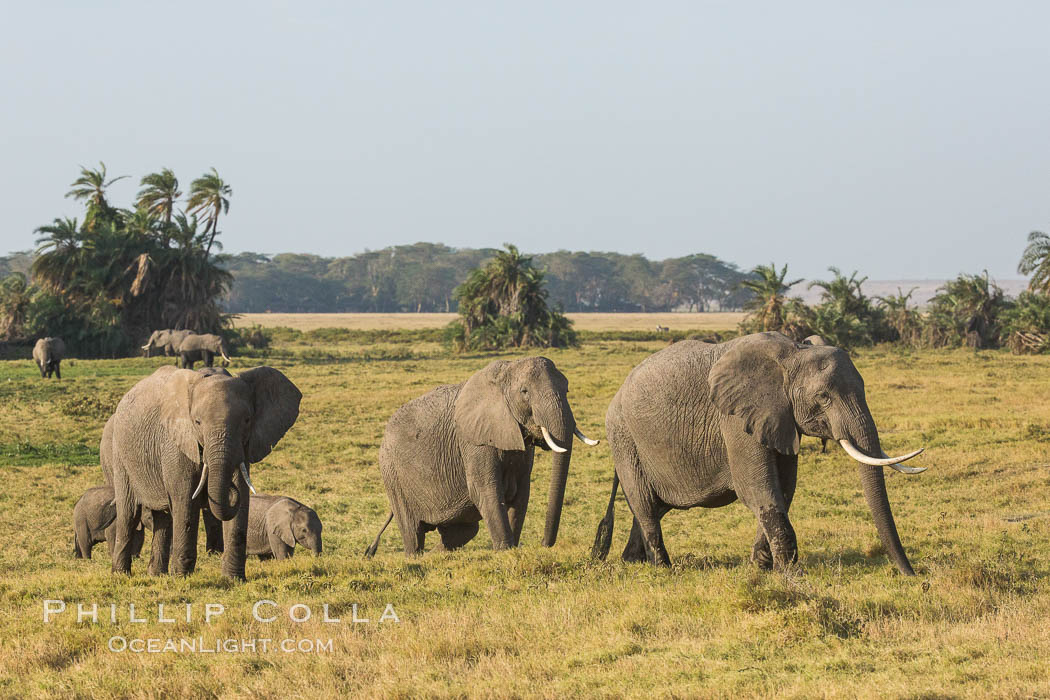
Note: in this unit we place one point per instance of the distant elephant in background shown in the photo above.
(48, 354)
(203, 347)
(815, 340)
(93, 517)
(166, 340)
(702, 425)
(464, 453)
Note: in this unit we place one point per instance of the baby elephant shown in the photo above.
(93, 517)
(277, 523)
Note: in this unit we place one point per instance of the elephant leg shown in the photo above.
(184, 526)
(756, 480)
(484, 472)
(787, 470)
(235, 535)
(647, 538)
(278, 549)
(413, 535)
(137, 540)
(517, 506)
(82, 541)
(161, 547)
(212, 532)
(125, 525)
(455, 536)
(209, 359)
(635, 549)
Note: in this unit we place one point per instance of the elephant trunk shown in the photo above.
(873, 483)
(561, 430)
(223, 496)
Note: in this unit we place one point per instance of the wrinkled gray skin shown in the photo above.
(165, 340)
(464, 453)
(165, 429)
(818, 340)
(48, 354)
(277, 523)
(703, 425)
(93, 517)
(203, 347)
(212, 525)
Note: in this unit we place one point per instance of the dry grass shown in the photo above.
(550, 623)
(583, 322)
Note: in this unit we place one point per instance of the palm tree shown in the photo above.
(15, 297)
(57, 253)
(91, 186)
(769, 288)
(211, 196)
(159, 193)
(1035, 261)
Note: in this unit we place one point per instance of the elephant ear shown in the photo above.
(275, 406)
(482, 415)
(175, 409)
(749, 382)
(279, 521)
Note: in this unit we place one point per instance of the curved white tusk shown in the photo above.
(146, 346)
(204, 478)
(226, 358)
(244, 473)
(586, 439)
(905, 470)
(550, 441)
(886, 461)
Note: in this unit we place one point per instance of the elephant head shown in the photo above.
(780, 390)
(157, 341)
(295, 524)
(224, 424)
(508, 404)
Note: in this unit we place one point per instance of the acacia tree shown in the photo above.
(504, 304)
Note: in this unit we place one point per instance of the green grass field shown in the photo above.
(551, 623)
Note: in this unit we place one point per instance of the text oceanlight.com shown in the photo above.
(200, 645)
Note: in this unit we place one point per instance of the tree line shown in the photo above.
(968, 311)
(424, 277)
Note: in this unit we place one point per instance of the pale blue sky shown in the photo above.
(905, 139)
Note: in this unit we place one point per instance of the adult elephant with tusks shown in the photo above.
(180, 441)
(201, 347)
(464, 453)
(702, 425)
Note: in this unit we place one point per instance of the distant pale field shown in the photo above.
(582, 322)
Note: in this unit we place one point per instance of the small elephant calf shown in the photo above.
(277, 523)
(93, 517)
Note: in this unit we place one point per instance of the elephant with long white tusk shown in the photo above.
(738, 410)
(464, 453)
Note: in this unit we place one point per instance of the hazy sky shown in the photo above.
(905, 139)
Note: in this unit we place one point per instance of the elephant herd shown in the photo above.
(188, 347)
(695, 424)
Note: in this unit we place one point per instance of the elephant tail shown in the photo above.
(371, 551)
(603, 538)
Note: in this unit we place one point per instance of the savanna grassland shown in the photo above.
(551, 623)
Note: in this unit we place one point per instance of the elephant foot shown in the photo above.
(762, 558)
(634, 556)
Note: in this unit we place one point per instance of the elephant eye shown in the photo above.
(524, 390)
